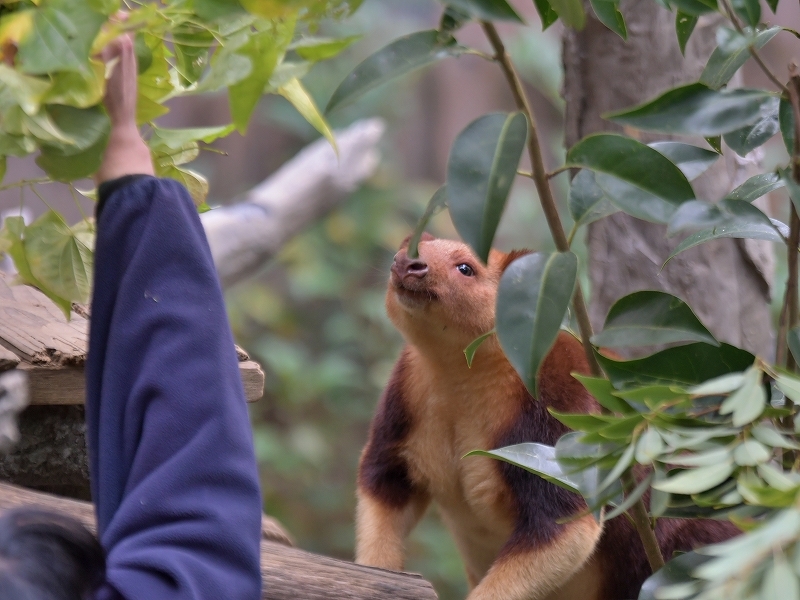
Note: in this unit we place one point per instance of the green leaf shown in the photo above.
(772, 438)
(23, 90)
(649, 318)
(732, 51)
(487, 10)
(61, 37)
(751, 453)
(691, 160)
(780, 581)
(571, 12)
(716, 143)
(789, 385)
(469, 351)
(632, 162)
(453, 19)
(649, 447)
(724, 384)
(791, 186)
(437, 202)
(607, 12)
(677, 572)
(69, 165)
(748, 402)
(60, 257)
(191, 54)
(317, 49)
(732, 219)
(538, 459)
(773, 5)
(694, 481)
(748, 10)
(587, 200)
(745, 140)
(163, 138)
(80, 89)
(622, 465)
(695, 8)
(402, 56)
(756, 186)
(264, 49)
(155, 84)
(793, 339)
(602, 391)
(295, 93)
(695, 109)
(84, 127)
(786, 120)
(631, 498)
(532, 298)
(481, 168)
(684, 26)
(194, 182)
(685, 365)
(546, 13)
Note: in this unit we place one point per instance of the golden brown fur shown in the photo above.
(435, 409)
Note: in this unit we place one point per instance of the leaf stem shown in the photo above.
(539, 176)
(753, 52)
(791, 298)
(558, 171)
(641, 521)
(25, 183)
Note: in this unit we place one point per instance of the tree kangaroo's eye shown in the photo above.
(465, 270)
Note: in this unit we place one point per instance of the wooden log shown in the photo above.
(288, 573)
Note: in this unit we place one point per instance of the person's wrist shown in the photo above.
(126, 154)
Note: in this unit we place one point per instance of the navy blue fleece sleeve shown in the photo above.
(173, 472)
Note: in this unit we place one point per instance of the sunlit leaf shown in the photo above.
(695, 109)
(315, 49)
(532, 298)
(61, 37)
(469, 351)
(694, 481)
(28, 92)
(81, 89)
(295, 93)
(602, 391)
(649, 318)
(398, 58)
(480, 171)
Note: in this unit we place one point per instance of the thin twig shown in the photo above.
(641, 521)
(546, 198)
(753, 52)
(558, 171)
(25, 183)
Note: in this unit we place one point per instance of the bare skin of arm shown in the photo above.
(126, 153)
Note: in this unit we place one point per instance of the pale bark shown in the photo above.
(246, 235)
(727, 282)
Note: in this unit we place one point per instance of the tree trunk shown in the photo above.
(727, 282)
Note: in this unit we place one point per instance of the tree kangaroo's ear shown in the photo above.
(512, 256)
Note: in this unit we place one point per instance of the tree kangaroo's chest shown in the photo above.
(467, 490)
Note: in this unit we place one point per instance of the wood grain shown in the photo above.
(287, 573)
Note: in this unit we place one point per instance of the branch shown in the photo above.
(540, 179)
(244, 236)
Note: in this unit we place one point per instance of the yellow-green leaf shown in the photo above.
(295, 93)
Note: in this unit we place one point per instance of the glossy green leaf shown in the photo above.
(546, 13)
(264, 49)
(685, 365)
(587, 201)
(69, 165)
(676, 572)
(715, 142)
(691, 160)
(174, 139)
(538, 459)
(61, 37)
(786, 120)
(191, 54)
(701, 215)
(732, 51)
(748, 10)
(793, 339)
(608, 13)
(632, 162)
(694, 481)
(487, 10)
(733, 219)
(84, 127)
(532, 298)
(402, 56)
(469, 351)
(194, 182)
(155, 84)
(481, 168)
(316, 49)
(694, 7)
(684, 26)
(748, 402)
(571, 12)
(773, 5)
(602, 391)
(453, 19)
(299, 97)
(649, 318)
(745, 140)
(695, 109)
(791, 186)
(437, 203)
(81, 89)
(60, 256)
(756, 186)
